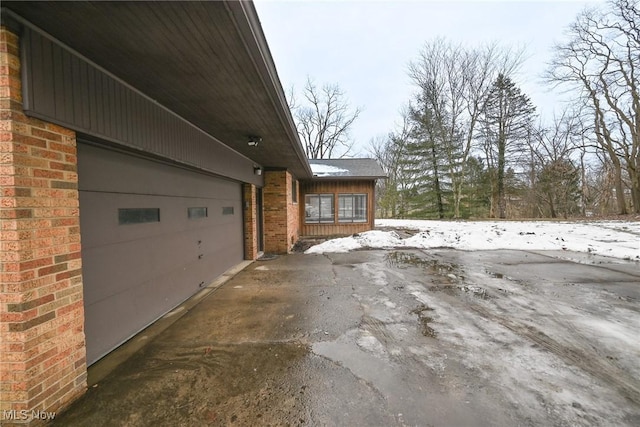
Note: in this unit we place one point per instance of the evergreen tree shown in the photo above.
(505, 122)
(477, 199)
(428, 159)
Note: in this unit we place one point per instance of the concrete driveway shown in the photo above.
(392, 338)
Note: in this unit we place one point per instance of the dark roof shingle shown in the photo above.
(346, 169)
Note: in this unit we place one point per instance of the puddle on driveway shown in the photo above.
(400, 259)
(477, 291)
(448, 289)
(459, 290)
(451, 276)
(494, 274)
(424, 320)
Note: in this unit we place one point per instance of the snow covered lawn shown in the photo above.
(618, 239)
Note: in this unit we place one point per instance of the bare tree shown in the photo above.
(453, 82)
(391, 153)
(555, 178)
(324, 120)
(602, 60)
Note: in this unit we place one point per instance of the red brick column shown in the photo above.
(250, 222)
(42, 346)
(281, 223)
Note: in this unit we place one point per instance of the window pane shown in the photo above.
(193, 213)
(294, 191)
(319, 208)
(352, 208)
(138, 215)
(360, 208)
(326, 208)
(311, 208)
(345, 205)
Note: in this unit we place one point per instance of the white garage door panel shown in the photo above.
(135, 273)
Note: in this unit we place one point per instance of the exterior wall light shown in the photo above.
(257, 170)
(254, 141)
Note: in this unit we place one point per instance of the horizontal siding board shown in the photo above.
(102, 107)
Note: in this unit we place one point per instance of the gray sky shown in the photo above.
(365, 46)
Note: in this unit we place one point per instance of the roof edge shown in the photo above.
(249, 27)
(346, 178)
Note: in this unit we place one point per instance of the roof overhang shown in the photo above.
(208, 61)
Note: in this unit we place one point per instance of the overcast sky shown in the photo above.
(365, 46)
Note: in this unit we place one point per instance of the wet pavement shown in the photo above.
(392, 338)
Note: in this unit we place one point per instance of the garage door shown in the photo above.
(152, 236)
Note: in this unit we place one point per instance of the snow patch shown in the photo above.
(368, 239)
(618, 239)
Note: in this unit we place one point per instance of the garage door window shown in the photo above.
(195, 213)
(138, 215)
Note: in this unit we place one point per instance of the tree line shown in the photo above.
(471, 144)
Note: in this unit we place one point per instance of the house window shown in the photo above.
(319, 208)
(352, 208)
(294, 191)
(198, 212)
(227, 210)
(138, 215)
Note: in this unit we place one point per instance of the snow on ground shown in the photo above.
(618, 239)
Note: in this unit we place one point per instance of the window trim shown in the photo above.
(294, 191)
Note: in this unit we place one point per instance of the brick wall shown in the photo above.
(281, 223)
(250, 222)
(42, 363)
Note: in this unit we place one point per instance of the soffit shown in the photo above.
(207, 61)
